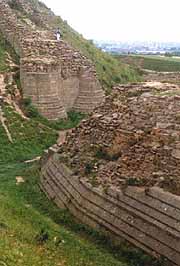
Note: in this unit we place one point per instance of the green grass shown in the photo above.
(25, 212)
(22, 219)
(3, 65)
(165, 58)
(24, 209)
(156, 63)
(72, 120)
(4, 49)
(30, 138)
(109, 70)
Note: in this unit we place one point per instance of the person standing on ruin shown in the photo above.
(58, 34)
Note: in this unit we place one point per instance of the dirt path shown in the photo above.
(2, 120)
(2, 85)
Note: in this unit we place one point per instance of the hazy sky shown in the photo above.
(121, 19)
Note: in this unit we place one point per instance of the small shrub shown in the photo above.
(26, 102)
(88, 168)
(29, 109)
(32, 111)
(93, 180)
(133, 181)
(16, 6)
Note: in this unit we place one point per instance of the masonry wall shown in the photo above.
(78, 86)
(148, 220)
(69, 89)
(40, 81)
(54, 75)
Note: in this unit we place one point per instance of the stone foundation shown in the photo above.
(147, 219)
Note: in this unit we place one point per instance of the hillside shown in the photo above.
(109, 70)
(32, 230)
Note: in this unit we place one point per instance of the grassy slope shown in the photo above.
(21, 222)
(109, 69)
(3, 66)
(156, 63)
(30, 138)
(24, 209)
(4, 49)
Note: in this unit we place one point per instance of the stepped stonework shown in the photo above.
(119, 171)
(54, 75)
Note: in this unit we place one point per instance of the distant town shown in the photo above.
(156, 48)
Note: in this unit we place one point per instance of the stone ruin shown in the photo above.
(54, 75)
(95, 174)
(142, 143)
(119, 170)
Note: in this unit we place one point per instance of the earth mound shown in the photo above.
(132, 139)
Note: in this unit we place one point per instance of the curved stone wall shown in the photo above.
(78, 86)
(149, 219)
(54, 75)
(43, 87)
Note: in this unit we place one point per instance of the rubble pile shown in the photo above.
(38, 53)
(132, 139)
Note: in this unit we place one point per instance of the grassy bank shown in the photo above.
(30, 138)
(156, 63)
(29, 237)
(30, 230)
(33, 231)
